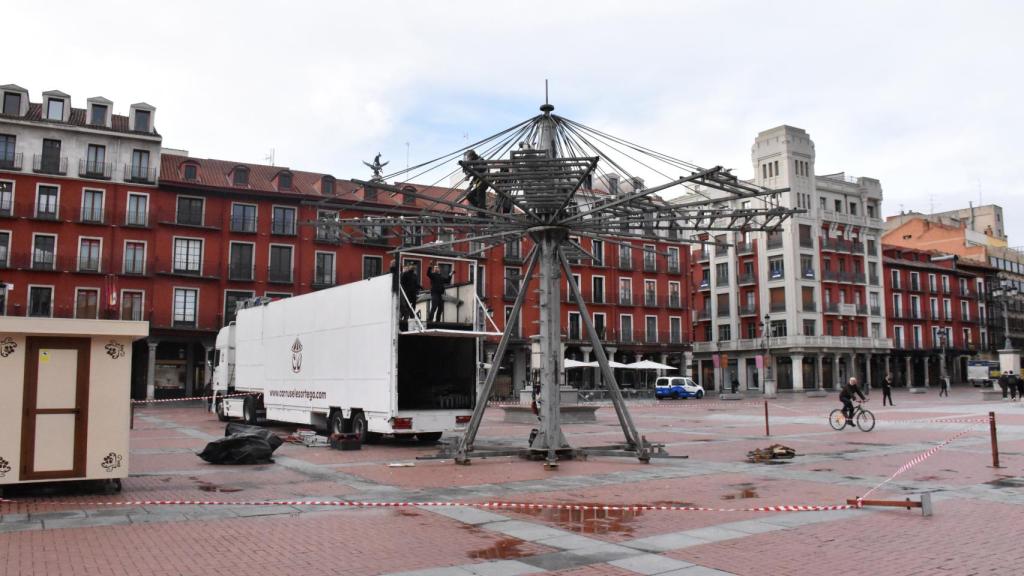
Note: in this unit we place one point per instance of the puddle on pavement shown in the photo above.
(1007, 482)
(404, 512)
(747, 490)
(591, 521)
(504, 549)
(821, 469)
(927, 478)
(211, 487)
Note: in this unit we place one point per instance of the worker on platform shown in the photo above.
(410, 283)
(477, 195)
(438, 282)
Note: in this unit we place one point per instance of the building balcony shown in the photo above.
(723, 312)
(701, 255)
(91, 215)
(651, 300)
(95, 170)
(876, 311)
(777, 307)
(721, 250)
(510, 293)
(46, 164)
(807, 242)
(873, 279)
(11, 162)
(744, 248)
(704, 285)
(673, 267)
(855, 247)
(513, 258)
(650, 265)
(703, 314)
(675, 301)
(322, 280)
(625, 299)
(748, 310)
(915, 286)
(968, 293)
(625, 263)
(721, 281)
(136, 219)
(371, 240)
(807, 274)
(241, 273)
(139, 174)
(45, 215)
(286, 227)
(776, 275)
(773, 242)
(783, 342)
(279, 276)
(746, 279)
(247, 225)
(809, 306)
(859, 278)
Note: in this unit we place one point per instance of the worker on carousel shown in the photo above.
(477, 195)
(438, 282)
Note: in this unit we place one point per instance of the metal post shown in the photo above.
(995, 443)
(466, 442)
(767, 431)
(1007, 343)
(550, 436)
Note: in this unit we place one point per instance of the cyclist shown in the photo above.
(846, 397)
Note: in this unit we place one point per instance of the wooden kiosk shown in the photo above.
(65, 390)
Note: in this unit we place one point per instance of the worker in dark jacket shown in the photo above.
(410, 282)
(887, 389)
(438, 281)
(846, 395)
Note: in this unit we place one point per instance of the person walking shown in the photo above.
(1004, 382)
(944, 387)
(438, 281)
(887, 389)
(1020, 386)
(1011, 384)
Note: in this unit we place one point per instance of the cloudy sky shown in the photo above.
(925, 96)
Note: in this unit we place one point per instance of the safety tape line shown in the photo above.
(918, 459)
(191, 398)
(453, 504)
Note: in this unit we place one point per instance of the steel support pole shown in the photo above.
(625, 420)
(466, 442)
(549, 438)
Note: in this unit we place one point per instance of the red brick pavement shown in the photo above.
(962, 538)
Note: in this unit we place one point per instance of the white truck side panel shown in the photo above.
(346, 359)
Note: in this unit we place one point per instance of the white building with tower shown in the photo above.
(800, 307)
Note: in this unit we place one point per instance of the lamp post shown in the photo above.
(943, 341)
(1004, 294)
(768, 385)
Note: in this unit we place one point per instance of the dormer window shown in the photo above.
(55, 109)
(98, 115)
(142, 120)
(12, 104)
(327, 185)
(241, 176)
(284, 181)
(190, 171)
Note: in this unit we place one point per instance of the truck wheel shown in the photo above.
(249, 410)
(219, 408)
(359, 426)
(429, 436)
(336, 423)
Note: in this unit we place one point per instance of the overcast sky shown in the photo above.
(925, 96)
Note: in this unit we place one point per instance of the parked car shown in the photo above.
(677, 387)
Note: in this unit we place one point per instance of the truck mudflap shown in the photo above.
(426, 421)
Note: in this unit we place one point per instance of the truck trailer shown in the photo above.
(341, 360)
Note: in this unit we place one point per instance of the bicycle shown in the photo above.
(862, 417)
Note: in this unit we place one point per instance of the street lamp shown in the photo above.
(765, 331)
(1004, 294)
(943, 341)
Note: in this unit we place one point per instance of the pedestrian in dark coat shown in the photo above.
(1020, 386)
(410, 282)
(1004, 382)
(887, 389)
(438, 281)
(1011, 384)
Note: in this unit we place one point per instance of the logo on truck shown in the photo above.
(297, 356)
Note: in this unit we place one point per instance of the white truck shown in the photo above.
(340, 359)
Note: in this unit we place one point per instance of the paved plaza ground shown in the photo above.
(976, 527)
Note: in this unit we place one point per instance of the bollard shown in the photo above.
(995, 443)
(131, 423)
(767, 431)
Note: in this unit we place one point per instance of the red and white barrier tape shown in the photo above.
(453, 504)
(918, 459)
(190, 398)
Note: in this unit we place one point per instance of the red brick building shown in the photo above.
(931, 303)
(177, 240)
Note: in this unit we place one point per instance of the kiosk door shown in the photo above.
(55, 409)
